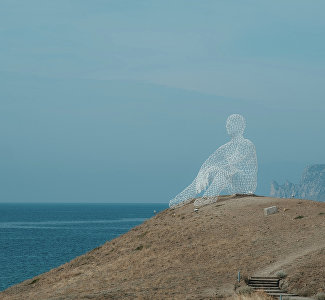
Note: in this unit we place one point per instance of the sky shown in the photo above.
(122, 101)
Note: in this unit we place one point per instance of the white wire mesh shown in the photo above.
(232, 168)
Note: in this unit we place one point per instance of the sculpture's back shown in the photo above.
(244, 181)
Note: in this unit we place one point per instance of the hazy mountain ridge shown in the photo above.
(311, 186)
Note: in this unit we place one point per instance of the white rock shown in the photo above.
(270, 210)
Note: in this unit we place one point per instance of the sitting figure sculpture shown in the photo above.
(232, 168)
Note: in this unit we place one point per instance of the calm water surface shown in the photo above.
(35, 238)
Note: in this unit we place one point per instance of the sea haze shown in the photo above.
(35, 238)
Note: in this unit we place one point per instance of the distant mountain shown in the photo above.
(311, 186)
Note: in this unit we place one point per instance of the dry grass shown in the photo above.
(182, 254)
(253, 296)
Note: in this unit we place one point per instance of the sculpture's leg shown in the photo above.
(219, 183)
(243, 183)
(213, 190)
(184, 196)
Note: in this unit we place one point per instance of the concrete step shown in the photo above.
(264, 284)
(267, 278)
(264, 280)
(283, 295)
(265, 287)
(269, 285)
(277, 292)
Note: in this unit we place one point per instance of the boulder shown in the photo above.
(270, 210)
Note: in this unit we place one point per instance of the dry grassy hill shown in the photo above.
(182, 254)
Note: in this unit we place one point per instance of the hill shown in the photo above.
(183, 254)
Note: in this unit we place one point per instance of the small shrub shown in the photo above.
(320, 296)
(245, 290)
(246, 279)
(143, 234)
(284, 285)
(35, 280)
(281, 274)
(322, 213)
(299, 217)
(306, 292)
(139, 248)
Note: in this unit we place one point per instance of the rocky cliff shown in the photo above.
(311, 186)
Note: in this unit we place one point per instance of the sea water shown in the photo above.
(35, 238)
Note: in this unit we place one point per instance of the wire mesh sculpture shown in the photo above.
(232, 168)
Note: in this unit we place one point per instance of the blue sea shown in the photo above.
(35, 238)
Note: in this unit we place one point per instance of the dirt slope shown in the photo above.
(182, 254)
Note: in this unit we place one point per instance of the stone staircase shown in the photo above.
(270, 285)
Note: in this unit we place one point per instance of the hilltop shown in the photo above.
(183, 254)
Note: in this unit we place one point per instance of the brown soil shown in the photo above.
(182, 254)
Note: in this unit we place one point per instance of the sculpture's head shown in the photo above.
(235, 125)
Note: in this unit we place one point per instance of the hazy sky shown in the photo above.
(121, 101)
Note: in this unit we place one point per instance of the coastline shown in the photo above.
(181, 253)
(37, 237)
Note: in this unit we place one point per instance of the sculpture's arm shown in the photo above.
(217, 157)
(215, 160)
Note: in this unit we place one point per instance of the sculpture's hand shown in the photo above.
(205, 177)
